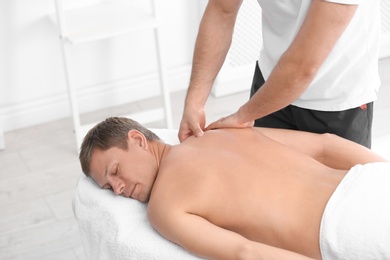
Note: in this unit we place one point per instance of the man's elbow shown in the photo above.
(299, 71)
(224, 8)
(323, 149)
(246, 250)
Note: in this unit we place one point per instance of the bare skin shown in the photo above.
(222, 197)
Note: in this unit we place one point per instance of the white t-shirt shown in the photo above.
(349, 76)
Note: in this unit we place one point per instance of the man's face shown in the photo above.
(129, 173)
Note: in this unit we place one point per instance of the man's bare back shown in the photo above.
(222, 178)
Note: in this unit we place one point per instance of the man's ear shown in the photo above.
(137, 138)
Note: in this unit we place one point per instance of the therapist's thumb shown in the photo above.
(198, 132)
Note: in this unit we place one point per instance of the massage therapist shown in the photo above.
(317, 70)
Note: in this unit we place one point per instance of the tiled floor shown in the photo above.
(39, 170)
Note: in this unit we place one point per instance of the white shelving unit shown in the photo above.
(101, 21)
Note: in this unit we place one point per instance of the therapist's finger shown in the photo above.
(198, 133)
(229, 122)
(220, 123)
(184, 133)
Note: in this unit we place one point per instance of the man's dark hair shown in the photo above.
(111, 132)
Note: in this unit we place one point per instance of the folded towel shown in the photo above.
(114, 227)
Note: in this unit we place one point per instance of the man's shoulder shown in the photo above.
(166, 199)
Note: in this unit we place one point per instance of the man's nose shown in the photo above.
(118, 187)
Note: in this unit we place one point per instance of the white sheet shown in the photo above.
(114, 227)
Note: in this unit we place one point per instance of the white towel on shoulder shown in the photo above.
(114, 227)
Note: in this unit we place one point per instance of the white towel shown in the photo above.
(114, 227)
(356, 221)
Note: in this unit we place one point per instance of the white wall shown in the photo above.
(107, 72)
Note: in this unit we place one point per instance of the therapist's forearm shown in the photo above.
(285, 84)
(298, 66)
(211, 47)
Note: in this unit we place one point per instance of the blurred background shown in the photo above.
(112, 75)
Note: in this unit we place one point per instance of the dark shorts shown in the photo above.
(354, 124)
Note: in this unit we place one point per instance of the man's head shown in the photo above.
(112, 132)
(122, 155)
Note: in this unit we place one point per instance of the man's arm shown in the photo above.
(202, 238)
(297, 67)
(211, 47)
(329, 149)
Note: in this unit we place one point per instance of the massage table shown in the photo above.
(114, 227)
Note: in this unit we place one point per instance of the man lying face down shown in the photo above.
(251, 193)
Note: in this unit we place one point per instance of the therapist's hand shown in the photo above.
(232, 121)
(192, 123)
